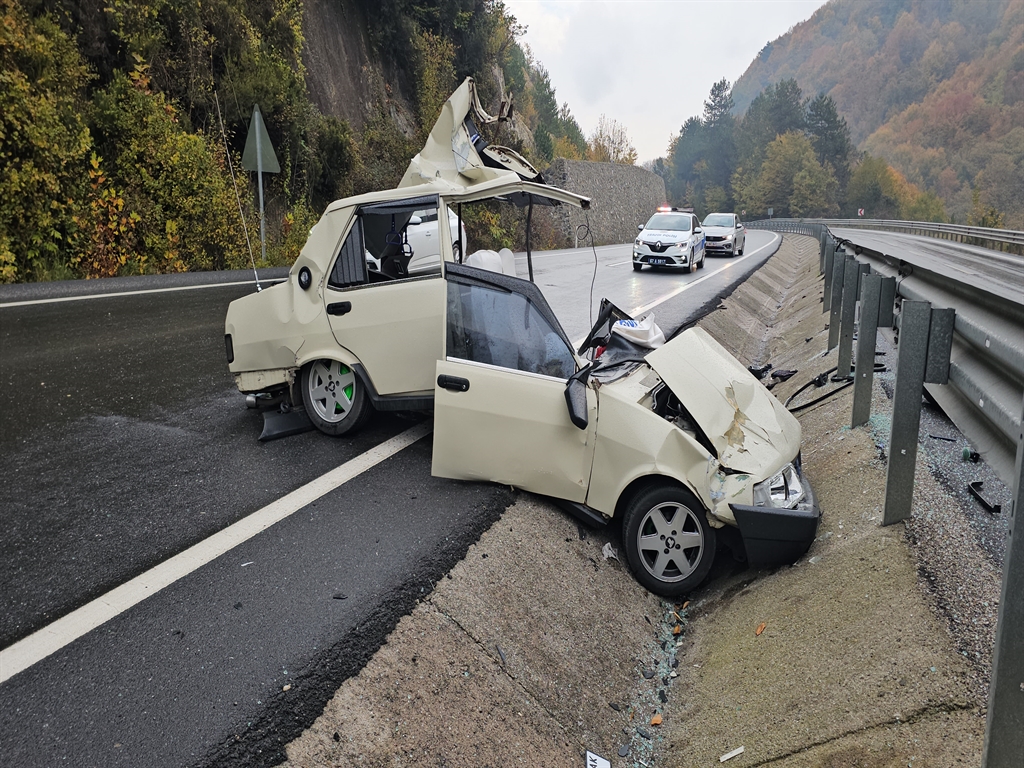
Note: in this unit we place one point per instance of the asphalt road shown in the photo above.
(125, 443)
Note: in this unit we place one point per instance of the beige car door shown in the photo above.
(391, 321)
(500, 410)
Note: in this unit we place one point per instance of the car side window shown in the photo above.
(350, 266)
(503, 328)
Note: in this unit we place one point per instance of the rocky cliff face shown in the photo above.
(345, 77)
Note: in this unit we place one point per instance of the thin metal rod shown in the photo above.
(529, 222)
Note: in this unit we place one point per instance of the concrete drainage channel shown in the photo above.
(538, 648)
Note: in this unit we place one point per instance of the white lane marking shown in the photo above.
(687, 286)
(50, 639)
(117, 294)
(620, 263)
(671, 294)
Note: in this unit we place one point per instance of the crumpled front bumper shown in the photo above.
(775, 536)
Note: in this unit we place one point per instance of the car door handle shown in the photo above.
(339, 308)
(454, 383)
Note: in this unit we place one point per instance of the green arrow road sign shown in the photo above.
(259, 153)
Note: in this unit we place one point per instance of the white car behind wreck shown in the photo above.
(681, 444)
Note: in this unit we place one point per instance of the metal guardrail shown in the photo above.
(1008, 240)
(971, 355)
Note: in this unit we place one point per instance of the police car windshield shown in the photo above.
(718, 220)
(675, 221)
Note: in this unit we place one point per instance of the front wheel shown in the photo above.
(637, 266)
(703, 258)
(669, 544)
(333, 396)
(692, 266)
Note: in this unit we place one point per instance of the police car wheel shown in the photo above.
(637, 266)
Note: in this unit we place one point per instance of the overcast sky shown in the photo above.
(649, 63)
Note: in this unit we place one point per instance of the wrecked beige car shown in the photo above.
(353, 329)
(680, 443)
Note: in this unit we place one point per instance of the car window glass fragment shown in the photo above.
(505, 329)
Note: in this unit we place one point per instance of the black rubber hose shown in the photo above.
(878, 368)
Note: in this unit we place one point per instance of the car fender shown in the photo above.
(325, 350)
(634, 443)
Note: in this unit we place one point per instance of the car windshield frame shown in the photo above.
(720, 220)
(670, 222)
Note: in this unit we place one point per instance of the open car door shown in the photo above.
(500, 410)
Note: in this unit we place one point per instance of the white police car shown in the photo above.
(672, 237)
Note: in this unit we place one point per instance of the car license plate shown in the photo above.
(656, 262)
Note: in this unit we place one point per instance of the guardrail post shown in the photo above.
(821, 249)
(864, 375)
(1004, 731)
(926, 338)
(848, 316)
(830, 255)
(915, 318)
(835, 305)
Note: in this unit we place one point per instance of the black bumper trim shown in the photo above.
(774, 536)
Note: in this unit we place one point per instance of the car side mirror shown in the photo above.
(414, 220)
(739, 226)
(639, 227)
(576, 398)
(697, 230)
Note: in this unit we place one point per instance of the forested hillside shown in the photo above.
(121, 121)
(935, 88)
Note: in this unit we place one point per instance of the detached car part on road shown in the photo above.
(680, 443)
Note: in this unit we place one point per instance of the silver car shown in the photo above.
(724, 234)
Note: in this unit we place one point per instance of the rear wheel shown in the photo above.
(333, 396)
(669, 544)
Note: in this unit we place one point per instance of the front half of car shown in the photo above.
(680, 446)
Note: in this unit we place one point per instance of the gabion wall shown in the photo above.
(622, 196)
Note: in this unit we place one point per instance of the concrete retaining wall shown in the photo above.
(622, 196)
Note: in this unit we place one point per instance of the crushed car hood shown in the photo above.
(750, 429)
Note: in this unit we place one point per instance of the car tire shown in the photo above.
(692, 266)
(703, 258)
(637, 266)
(334, 397)
(660, 515)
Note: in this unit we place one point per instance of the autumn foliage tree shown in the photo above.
(609, 143)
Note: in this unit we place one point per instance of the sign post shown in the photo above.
(259, 156)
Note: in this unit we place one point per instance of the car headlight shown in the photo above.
(637, 243)
(682, 245)
(728, 237)
(783, 489)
